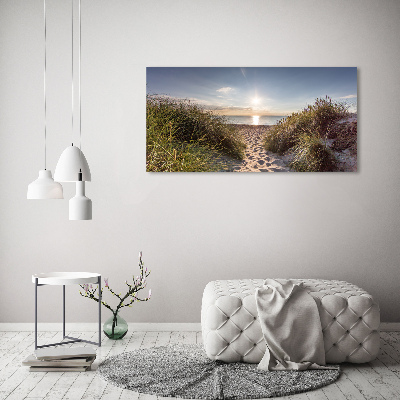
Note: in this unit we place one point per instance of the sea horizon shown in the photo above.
(254, 119)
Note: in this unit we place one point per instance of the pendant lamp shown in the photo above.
(72, 162)
(44, 186)
(80, 206)
(72, 165)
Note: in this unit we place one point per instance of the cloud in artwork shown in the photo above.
(225, 89)
(350, 96)
(232, 110)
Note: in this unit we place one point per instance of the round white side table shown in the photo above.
(66, 278)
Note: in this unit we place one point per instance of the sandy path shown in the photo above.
(257, 159)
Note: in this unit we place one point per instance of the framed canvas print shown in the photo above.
(270, 119)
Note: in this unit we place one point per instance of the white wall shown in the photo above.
(192, 227)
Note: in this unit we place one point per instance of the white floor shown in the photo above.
(379, 379)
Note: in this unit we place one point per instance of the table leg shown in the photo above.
(36, 286)
(63, 311)
(73, 339)
(100, 297)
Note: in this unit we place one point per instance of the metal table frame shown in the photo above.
(73, 339)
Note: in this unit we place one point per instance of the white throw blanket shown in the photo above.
(291, 327)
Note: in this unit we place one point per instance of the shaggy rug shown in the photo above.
(185, 371)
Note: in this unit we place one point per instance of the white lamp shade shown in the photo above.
(71, 161)
(80, 206)
(44, 187)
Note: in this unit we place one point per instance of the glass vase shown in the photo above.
(115, 327)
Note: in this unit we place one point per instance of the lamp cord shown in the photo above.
(72, 68)
(44, 84)
(79, 88)
(79, 76)
(79, 85)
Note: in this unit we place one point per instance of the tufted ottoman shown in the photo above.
(231, 330)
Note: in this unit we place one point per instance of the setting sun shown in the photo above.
(256, 100)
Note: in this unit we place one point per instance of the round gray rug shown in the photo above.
(185, 371)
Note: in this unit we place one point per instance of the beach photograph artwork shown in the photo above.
(268, 119)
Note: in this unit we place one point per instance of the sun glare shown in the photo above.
(256, 100)
(256, 120)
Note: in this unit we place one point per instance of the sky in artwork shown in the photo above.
(255, 91)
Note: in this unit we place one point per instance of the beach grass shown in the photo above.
(183, 136)
(310, 154)
(305, 134)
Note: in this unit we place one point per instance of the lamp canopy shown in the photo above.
(44, 187)
(71, 162)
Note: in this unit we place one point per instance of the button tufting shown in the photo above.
(329, 295)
